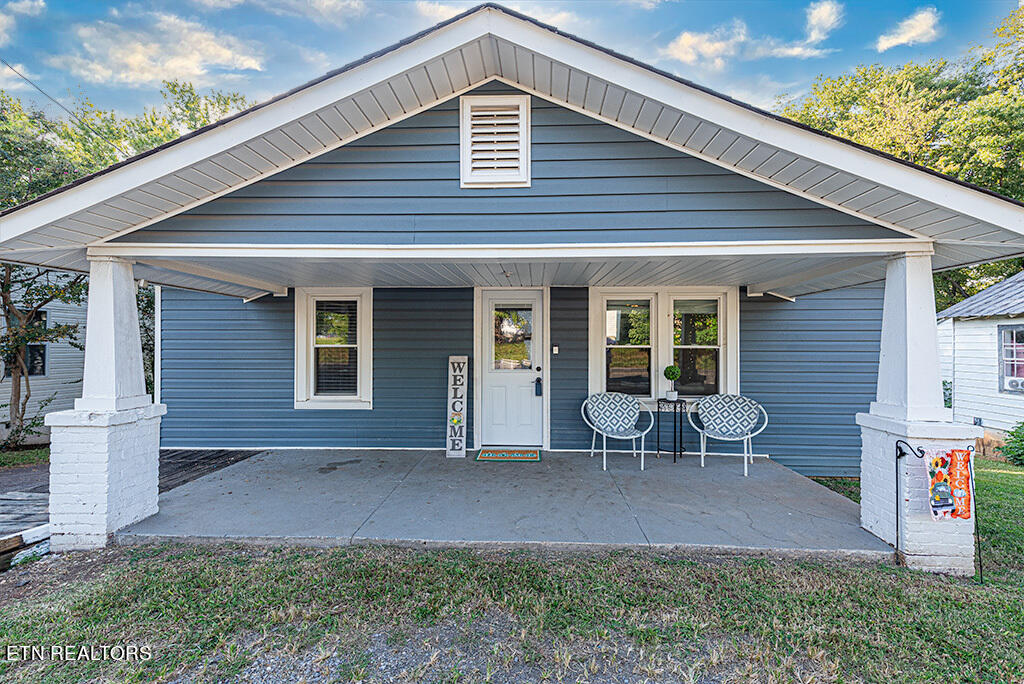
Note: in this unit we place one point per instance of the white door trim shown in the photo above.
(478, 359)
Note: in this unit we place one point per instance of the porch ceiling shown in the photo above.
(966, 224)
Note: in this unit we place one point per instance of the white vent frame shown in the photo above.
(518, 177)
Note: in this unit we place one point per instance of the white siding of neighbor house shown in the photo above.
(64, 364)
(976, 381)
(946, 349)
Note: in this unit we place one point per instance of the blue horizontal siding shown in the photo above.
(813, 364)
(570, 312)
(591, 183)
(227, 372)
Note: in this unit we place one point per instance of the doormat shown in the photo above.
(508, 455)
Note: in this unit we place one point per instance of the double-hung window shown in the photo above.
(1011, 358)
(635, 334)
(333, 348)
(696, 347)
(628, 346)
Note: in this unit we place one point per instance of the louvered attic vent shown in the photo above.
(495, 141)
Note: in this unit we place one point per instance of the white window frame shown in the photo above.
(305, 328)
(522, 178)
(662, 353)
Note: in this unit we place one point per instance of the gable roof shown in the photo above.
(1005, 298)
(964, 223)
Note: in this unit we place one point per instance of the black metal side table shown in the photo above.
(678, 409)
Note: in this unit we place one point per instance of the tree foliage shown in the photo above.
(964, 118)
(39, 153)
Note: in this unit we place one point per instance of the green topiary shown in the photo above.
(672, 373)
(1013, 450)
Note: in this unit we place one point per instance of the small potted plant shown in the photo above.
(672, 374)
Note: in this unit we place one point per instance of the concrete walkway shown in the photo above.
(334, 497)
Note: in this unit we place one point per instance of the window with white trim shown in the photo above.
(696, 346)
(628, 346)
(1011, 358)
(494, 141)
(636, 333)
(333, 348)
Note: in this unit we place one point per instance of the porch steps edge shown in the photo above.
(867, 555)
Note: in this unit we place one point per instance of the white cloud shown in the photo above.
(323, 11)
(30, 8)
(708, 49)
(6, 28)
(437, 11)
(167, 47)
(651, 4)
(712, 49)
(920, 27)
(542, 12)
(11, 81)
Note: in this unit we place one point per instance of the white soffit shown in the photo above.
(968, 225)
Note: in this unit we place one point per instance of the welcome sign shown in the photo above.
(455, 422)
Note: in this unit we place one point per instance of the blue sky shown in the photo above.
(116, 53)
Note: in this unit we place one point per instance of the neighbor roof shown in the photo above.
(965, 224)
(1005, 298)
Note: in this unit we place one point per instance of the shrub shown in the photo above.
(1013, 450)
(672, 373)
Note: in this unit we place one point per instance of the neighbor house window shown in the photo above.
(635, 333)
(494, 141)
(695, 345)
(333, 348)
(1011, 358)
(628, 346)
(35, 354)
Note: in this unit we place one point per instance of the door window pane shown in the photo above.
(336, 322)
(699, 371)
(695, 322)
(513, 338)
(628, 322)
(336, 371)
(628, 370)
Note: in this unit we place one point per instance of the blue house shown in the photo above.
(570, 219)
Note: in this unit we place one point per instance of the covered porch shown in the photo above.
(336, 497)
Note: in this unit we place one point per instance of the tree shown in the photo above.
(963, 118)
(40, 154)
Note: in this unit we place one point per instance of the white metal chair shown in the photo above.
(730, 418)
(615, 415)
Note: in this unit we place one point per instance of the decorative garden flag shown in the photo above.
(949, 483)
(455, 422)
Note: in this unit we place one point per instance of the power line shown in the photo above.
(70, 113)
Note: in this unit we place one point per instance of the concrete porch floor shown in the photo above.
(337, 497)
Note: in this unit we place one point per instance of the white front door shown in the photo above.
(512, 407)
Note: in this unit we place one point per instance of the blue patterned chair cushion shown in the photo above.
(615, 414)
(728, 416)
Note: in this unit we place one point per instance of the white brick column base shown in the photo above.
(926, 544)
(104, 468)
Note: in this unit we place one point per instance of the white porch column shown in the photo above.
(909, 406)
(104, 453)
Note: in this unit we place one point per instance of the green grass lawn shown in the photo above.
(24, 457)
(212, 612)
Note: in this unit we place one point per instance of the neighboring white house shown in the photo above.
(55, 369)
(981, 349)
